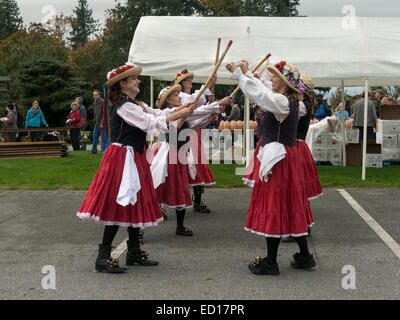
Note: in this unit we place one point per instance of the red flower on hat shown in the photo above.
(280, 65)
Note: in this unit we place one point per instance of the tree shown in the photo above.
(10, 18)
(284, 8)
(221, 8)
(83, 24)
(53, 84)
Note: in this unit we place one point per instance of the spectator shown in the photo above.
(385, 101)
(321, 111)
(98, 106)
(20, 122)
(398, 101)
(10, 122)
(82, 110)
(33, 120)
(359, 117)
(74, 122)
(339, 113)
(235, 112)
(378, 98)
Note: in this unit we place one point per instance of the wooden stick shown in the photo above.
(252, 71)
(216, 61)
(208, 80)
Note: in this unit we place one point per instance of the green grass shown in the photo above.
(76, 171)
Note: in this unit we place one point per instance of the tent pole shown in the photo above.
(151, 92)
(365, 138)
(246, 130)
(344, 137)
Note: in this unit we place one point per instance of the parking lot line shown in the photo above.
(386, 238)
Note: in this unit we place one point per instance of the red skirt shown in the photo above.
(279, 207)
(174, 192)
(204, 176)
(100, 203)
(251, 173)
(308, 171)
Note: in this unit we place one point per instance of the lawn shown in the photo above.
(76, 171)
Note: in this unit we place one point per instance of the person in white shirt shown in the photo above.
(122, 192)
(279, 206)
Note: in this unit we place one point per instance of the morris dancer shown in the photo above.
(172, 164)
(204, 176)
(278, 206)
(122, 192)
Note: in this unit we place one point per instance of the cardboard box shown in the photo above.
(389, 142)
(388, 127)
(354, 152)
(334, 155)
(391, 154)
(320, 141)
(353, 136)
(319, 154)
(374, 160)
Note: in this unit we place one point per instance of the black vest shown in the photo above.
(174, 141)
(123, 133)
(285, 132)
(304, 122)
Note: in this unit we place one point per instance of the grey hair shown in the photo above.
(79, 99)
(74, 104)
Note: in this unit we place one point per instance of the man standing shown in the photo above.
(378, 103)
(359, 117)
(98, 106)
(83, 112)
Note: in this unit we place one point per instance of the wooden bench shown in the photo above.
(45, 149)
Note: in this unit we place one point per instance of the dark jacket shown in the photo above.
(98, 107)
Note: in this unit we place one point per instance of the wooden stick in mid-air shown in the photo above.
(216, 61)
(208, 80)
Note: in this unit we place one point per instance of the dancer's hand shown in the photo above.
(230, 66)
(244, 66)
(225, 101)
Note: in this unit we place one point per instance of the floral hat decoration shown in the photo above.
(127, 70)
(164, 93)
(289, 74)
(184, 74)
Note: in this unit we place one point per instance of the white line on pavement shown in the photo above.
(393, 245)
(119, 250)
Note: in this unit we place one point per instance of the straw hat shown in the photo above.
(184, 74)
(289, 74)
(164, 93)
(123, 72)
(307, 80)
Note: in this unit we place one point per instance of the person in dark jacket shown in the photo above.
(11, 122)
(98, 107)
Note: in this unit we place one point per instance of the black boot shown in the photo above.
(261, 267)
(105, 262)
(198, 205)
(306, 263)
(137, 255)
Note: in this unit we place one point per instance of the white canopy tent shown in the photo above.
(334, 52)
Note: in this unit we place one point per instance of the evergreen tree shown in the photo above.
(53, 84)
(10, 18)
(83, 24)
(284, 8)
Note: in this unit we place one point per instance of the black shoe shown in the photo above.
(309, 232)
(185, 231)
(261, 267)
(105, 262)
(201, 207)
(137, 255)
(300, 262)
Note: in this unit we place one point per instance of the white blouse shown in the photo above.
(152, 121)
(186, 97)
(200, 116)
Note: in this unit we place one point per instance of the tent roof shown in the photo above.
(322, 47)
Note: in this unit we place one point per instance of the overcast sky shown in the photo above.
(31, 10)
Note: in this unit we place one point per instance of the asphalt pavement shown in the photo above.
(39, 228)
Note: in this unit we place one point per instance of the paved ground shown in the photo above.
(39, 228)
